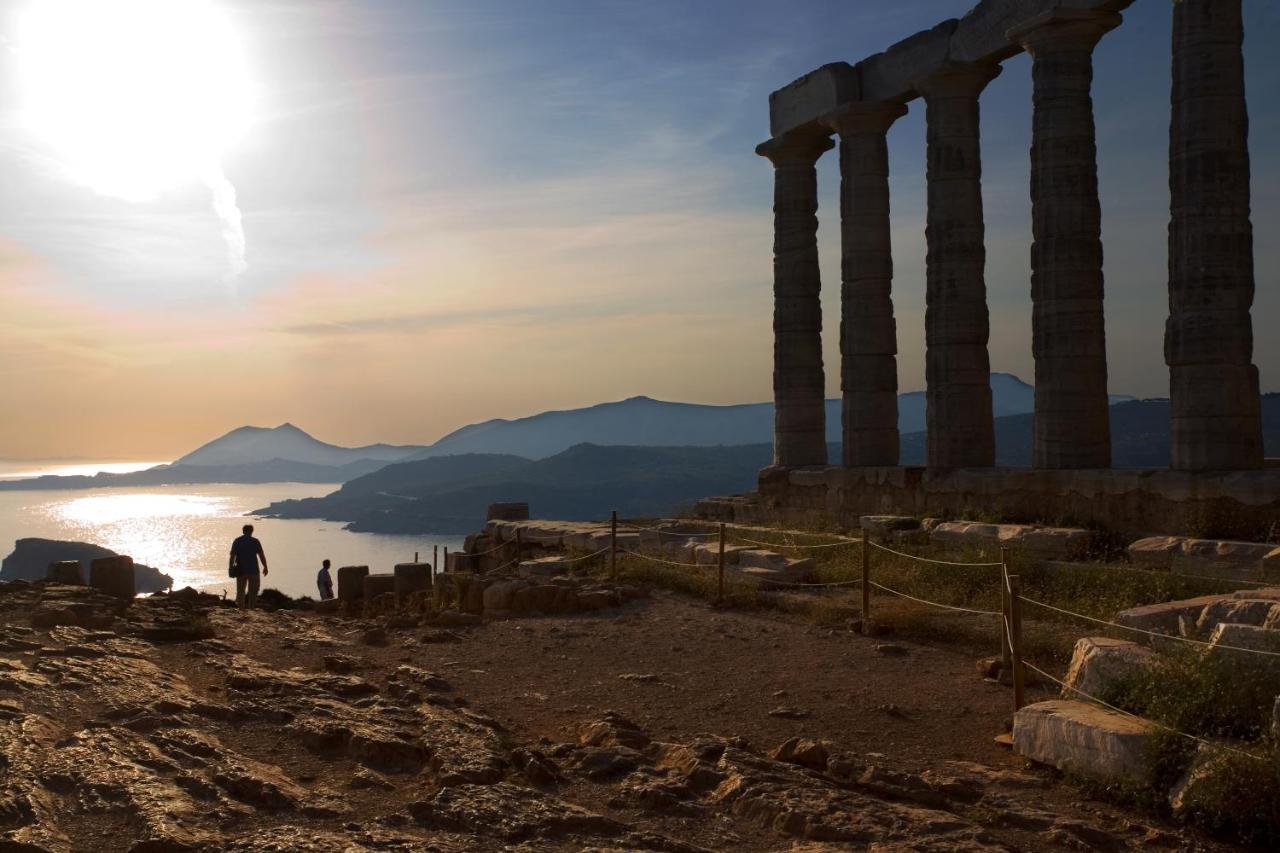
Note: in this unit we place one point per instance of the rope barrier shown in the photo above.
(1213, 744)
(604, 550)
(666, 562)
(662, 532)
(843, 544)
(495, 548)
(935, 603)
(1150, 633)
(875, 544)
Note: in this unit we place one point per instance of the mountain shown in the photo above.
(643, 421)
(452, 494)
(1139, 435)
(252, 445)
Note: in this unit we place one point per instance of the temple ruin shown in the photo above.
(1217, 453)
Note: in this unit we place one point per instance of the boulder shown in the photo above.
(411, 577)
(114, 576)
(1100, 663)
(500, 595)
(66, 571)
(1083, 738)
(351, 582)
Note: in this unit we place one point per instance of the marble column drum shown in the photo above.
(961, 431)
(868, 332)
(798, 380)
(1213, 384)
(1071, 424)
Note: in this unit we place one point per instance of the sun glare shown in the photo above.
(135, 97)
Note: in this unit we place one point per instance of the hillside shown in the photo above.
(451, 494)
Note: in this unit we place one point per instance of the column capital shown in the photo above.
(859, 117)
(1063, 30)
(796, 147)
(957, 80)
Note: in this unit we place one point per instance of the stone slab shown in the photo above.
(1055, 542)
(379, 584)
(411, 577)
(1221, 557)
(1084, 738)
(1167, 617)
(66, 571)
(1239, 611)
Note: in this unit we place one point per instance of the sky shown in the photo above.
(455, 211)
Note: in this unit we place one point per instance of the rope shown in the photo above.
(809, 585)
(875, 544)
(1210, 743)
(1150, 633)
(673, 533)
(935, 603)
(604, 550)
(497, 547)
(667, 562)
(787, 545)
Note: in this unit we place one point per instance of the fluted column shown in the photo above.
(961, 433)
(799, 425)
(868, 332)
(1068, 334)
(1208, 344)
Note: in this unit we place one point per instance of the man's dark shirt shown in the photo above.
(246, 549)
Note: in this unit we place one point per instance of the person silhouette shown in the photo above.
(324, 582)
(245, 553)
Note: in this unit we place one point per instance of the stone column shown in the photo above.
(961, 433)
(1072, 427)
(868, 333)
(1208, 342)
(799, 419)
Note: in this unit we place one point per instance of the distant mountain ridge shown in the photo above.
(249, 445)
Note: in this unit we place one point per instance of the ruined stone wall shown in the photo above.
(1239, 505)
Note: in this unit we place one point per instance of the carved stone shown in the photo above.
(1213, 384)
(1068, 333)
(961, 433)
(798, 381)
(868, 333)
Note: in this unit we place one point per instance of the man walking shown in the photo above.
(324, 582)
(245, 552)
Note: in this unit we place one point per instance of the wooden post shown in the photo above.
(1015, 643)
(519, 548)
(435, 562)
(720, 569)
(1006, 652)
(613, 545)
(415, 556)
(866, 580)
(446, 558)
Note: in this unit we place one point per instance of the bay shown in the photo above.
(186, 531)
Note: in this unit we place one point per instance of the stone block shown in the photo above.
(1153, 552)
(801, 102)
(1245, 637)
(1239, 611)
(543, 567)
(883, 527)
(1099, 663)
(1167, 617)
(379, 584)
(351, 582)
(501, 595)
(114, 576)
(66, 571)
(513, 511)
(1083, 738)
(761, 559)
(1204, 782)
(411, 577)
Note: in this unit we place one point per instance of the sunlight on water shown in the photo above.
(186, 531)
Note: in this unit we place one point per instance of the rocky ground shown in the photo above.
(177, 723)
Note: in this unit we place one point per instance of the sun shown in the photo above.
(134, 97)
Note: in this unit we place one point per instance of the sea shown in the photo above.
(186, 531)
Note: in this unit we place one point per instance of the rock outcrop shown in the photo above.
(32, 557)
